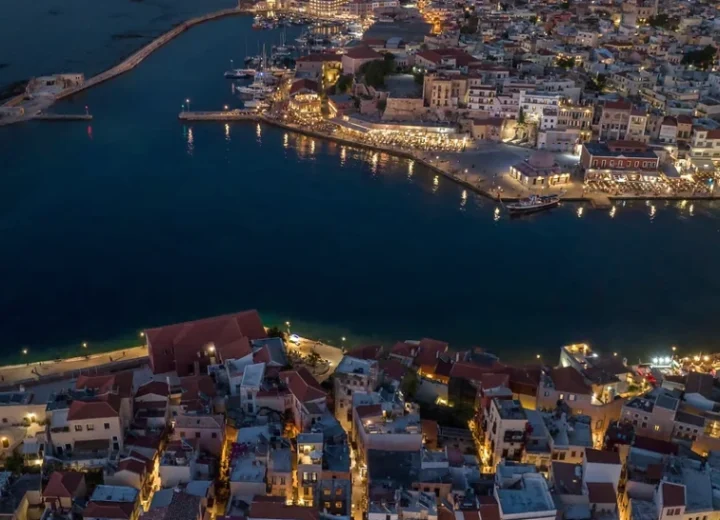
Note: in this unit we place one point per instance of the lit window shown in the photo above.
(657, 428)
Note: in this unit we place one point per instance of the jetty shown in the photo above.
(135, 59)
(63, 117)
(226, 115)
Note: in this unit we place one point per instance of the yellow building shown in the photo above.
(325, 8)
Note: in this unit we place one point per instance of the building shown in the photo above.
(174, 504)
(705, 144)
(489, 128)
(250, 386)
(324, 8)
(522, 493)
(113, 503)
(314, 65)
(19, 408)
(63, 488)
(534, 103)
(356, 57)
(480, 96)
(445, 90)
(652, 415)
(352, 375)
(189, 348)
(504, 431)
(87, 430)
(180, 463)
(614, 120)
(376, 429)
(209, 430)
(539, 170)
(619, 160)
(279, 473)
(307, 400)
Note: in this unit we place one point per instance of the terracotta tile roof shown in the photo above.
(656, 445)
(368, 410)
(617, 105)
(363, 53)
(303, 385)
(713, 134)
(601, 457)
(489, 121)
(120, 383)
(303, 84)
(669, 121)
(95, 409)
(111, 510)
(260, 510)
(393, 369)
(431, 56)
(183, 506)
(489, 509)
(365, 352)
(445, 514)
(442, 368)
(428, 351)
(153, 387)
(567, 379)
(488, 381)
(132, 465)
(182, 341)
(193, 387)
(673, 495)
(403, 349)
(684, 120)
(468, 371)
(64, 484)
(319, 58)
(262, 355)
(601, 493)
(144, 441)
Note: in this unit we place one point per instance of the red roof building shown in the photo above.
(64, 487)
(188, 348)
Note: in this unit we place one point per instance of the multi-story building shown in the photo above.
(113, 503)
(189, 348)
(445, 90)
(569, 436)
(614, 120)
(305, 398)
(705, 144)
(87, 429)
(534, 103)
(309, 465)
(209, 430)
(480, 96)
(504, 431)
(619, 160)
(352, 375)
(377, 429)
(324, 8)
(180, 463)
(279, 472)
(652, 415)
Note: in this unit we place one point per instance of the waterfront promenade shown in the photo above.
(71, 367)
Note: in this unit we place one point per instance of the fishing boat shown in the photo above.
(240, 73)
(533, 204)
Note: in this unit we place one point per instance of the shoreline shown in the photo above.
(410, 155)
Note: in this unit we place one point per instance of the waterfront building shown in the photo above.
(189, 348)
(619, 160)
(705, 143)
(324, 8)
(535, 102)
(314, 66)
(539, 170)
(480, 96)
(356, 57)
(445, 90)
(504, 432)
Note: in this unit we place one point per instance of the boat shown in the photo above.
(533, 204)
(240, 73)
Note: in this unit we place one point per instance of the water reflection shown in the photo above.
(580, 211)
(653, 210)
(343, 155)
(285, 140)
(411, 167)
(613, 211)
(496, 214)
(258, 133)
(227, 132)
(190, 141)
(692, 208)
(463, 199)
(436, 184)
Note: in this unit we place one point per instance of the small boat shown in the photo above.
(240, 73)
(533, 204)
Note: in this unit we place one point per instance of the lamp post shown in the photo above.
(287, 324)
(188, 104)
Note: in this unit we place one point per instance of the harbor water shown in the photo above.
(135, 219)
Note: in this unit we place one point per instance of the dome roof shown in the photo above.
(542, 159)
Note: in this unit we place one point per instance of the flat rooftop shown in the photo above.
(114, 494)
(510, 409)
(253, 374)
(15, 398)
(248, 468)
(354, 366)
(533, 496)
(407, 424)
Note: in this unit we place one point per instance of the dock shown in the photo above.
(63, 117)
(226, 115)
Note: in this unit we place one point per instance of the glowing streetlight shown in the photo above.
(706, 358)
(84, 344)
(142, 334)
(674, 348)
(538, 356)
(25, 351)
(614, 353)
(187, 101)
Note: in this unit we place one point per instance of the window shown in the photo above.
(644, 425)
(5, 442)
(182, 435)
(213, 435)
(657, 428)
(547, 393)
(338, 505)
(573, 454)
(197, 435)
(573, 397)
(326, 492)
(327, 505)
(282, 481)
(338, 491)
(90, 427)
(107, 425)
(78, 427)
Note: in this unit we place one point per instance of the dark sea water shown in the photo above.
(138, 220)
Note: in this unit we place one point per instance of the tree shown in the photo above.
(565, 62)
(275, 332)
(14, 463)
(313, 359)
(409, 385)
(344, 83)
(702, 58)
(419, 77)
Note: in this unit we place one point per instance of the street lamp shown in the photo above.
(225, 107)
(287, 324)
(188, 104)
(84, 344)
(142, 334)
(538, 356)
(25, 351)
